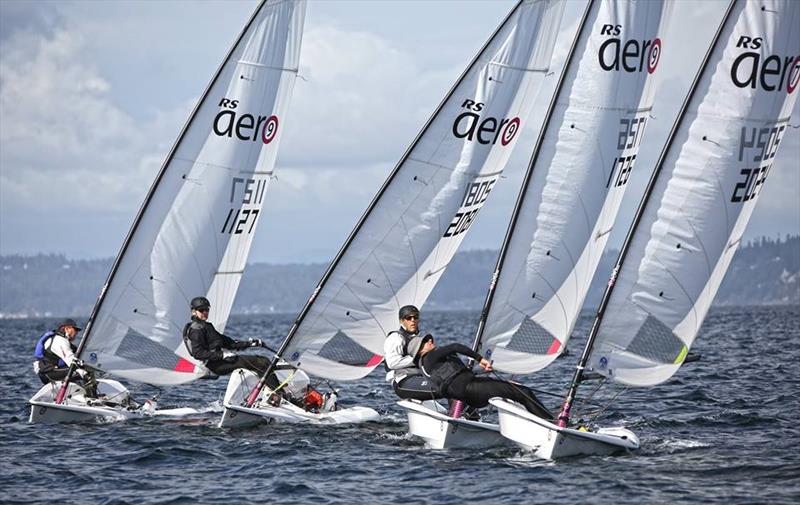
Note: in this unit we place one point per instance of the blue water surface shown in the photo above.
(723, 430)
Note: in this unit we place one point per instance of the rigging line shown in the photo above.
(393, 176)
(678, 282)
(588, 399)
(572, 271)
(644, 204)
(724, 202)
(522, 392)
(555, 293)
(365, 307)
(402, 221)
(709, 266)
(389, 282)
(613, 399)
(487, 305)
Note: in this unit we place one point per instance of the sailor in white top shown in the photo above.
(406, 378)
(55, 353)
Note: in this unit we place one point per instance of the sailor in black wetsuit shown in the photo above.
(214, 349)
(454, 380)
(401, 370)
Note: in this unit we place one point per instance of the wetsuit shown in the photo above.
(406, 378)
(456, 381)
(206, 344)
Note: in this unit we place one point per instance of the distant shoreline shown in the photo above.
(764, 272)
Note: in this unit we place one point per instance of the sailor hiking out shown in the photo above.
(450, 378)
(55, 352)
(401, 370)
(216, 350)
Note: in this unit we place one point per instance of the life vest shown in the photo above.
(407, 371)
(43, 353)
(186, 341)
(444, 373)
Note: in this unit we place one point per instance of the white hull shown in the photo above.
(548, 441)
(76, 408)
(236, 415)
(429, 421)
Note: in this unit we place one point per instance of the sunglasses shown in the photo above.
(411, 318)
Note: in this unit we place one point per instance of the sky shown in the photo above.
(93, 94)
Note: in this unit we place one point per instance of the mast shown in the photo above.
(563, 417)
(140, 214)
(526, 181)
(251, 398)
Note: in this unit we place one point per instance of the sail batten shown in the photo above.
(193, 233)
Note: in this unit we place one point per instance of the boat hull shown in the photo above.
(429, 421)
(236, 415)
(548, 441)
(239, 416)
(77, 408)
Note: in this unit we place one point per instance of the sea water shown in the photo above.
(722, 430)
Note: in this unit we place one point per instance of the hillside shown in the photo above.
(764, 272)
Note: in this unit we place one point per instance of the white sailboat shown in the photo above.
(689, 222)
(409, 233)
(568, 201)
(193, 232)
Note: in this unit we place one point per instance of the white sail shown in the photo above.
(408, 236)
(710, 178)
(576, 185)
(194, 230)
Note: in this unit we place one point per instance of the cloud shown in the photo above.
(355, 104)
(63, 136)
(90, 103)
(22, 16)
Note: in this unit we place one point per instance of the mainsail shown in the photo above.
(575, 183)
(193, 233)
(413, 227)
(709, 178)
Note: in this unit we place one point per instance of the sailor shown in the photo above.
(55, 352)
(406, 378)
(214, 349)
(452, 379)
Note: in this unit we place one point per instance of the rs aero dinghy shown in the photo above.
(193, 233)
(406, 238)
(565, 209)
(687, 227)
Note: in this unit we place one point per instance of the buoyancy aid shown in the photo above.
(407, 371)
(47, 358)
(186, 341)
(444, 373)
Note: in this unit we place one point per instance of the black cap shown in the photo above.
(200, 303)
(408, 310)
(68, 322)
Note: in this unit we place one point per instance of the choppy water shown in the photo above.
(724, 430)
